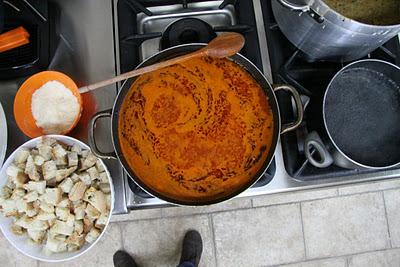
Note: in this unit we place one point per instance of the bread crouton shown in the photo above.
(72, 159)
(66, 185)
(77, 191)
(52, 196)
(92, 235)
(49, 170)
(38, 187)
(22, 155)
(62, 228)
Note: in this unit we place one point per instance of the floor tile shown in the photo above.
(338, 262)
(258, 237)
(158, 242)
(138, 215)
(101, 255)
(387, 258)
(392, 201)
(293, 197)
(9, 256)
(238, 203)
(370, 186)
(345, 225)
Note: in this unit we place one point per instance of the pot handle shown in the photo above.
(92, 139)
(302, 8)
(313, 140)
(299, 107)
(295, 7)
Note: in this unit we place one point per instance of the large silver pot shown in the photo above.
(324, 34)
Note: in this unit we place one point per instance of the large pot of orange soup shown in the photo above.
(199, 132)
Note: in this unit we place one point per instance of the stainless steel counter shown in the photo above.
(281, 182)
(87, 52)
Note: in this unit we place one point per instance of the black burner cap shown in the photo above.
(184, 31)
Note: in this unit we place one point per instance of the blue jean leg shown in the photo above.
(186, 264)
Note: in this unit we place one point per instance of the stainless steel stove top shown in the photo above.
(164, 16)
(87, 52)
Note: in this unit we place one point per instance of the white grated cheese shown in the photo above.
(54, 107)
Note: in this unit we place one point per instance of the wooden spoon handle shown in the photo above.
(141, 71)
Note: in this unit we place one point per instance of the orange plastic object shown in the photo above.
(12, 43)
(13, 39)
(23, 101)
(17, 31)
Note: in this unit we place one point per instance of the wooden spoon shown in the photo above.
(224, 45)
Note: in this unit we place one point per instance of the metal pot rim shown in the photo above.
(257, 176)
(345, 20)
(324, 115)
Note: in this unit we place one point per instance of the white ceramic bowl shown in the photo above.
(21, 242)
(3, 135)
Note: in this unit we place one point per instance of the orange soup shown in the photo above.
(198, 130)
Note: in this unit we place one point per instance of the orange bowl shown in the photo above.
(23, 101)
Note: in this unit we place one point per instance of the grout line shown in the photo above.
(211, 224)
(162, 212)
(163, 215)
(390, 189)
(121, 235)
(302, 230)
(387, 219)
(318, 199)
(294, 193)
(346, 257)
(369, 190)
(246, 208)
(188, 215)
(347, 262)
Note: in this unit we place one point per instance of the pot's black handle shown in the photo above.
(92, 139)
(302, 8)
(299, 107)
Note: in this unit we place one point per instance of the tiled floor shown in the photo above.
(347, 226)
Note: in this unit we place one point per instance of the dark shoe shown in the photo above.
(123, 259)
(192, 248)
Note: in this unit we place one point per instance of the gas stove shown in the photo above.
(310, 78)
(117, 35)
(147, 27)
(157, 26)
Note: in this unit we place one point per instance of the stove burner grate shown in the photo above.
(310, 78)
(140, 6)
(187, 30)
(149, 24)
(138, 39)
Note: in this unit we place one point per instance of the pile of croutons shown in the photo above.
(59, 195)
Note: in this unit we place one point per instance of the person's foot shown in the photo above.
(123, 259)
(192, 248)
